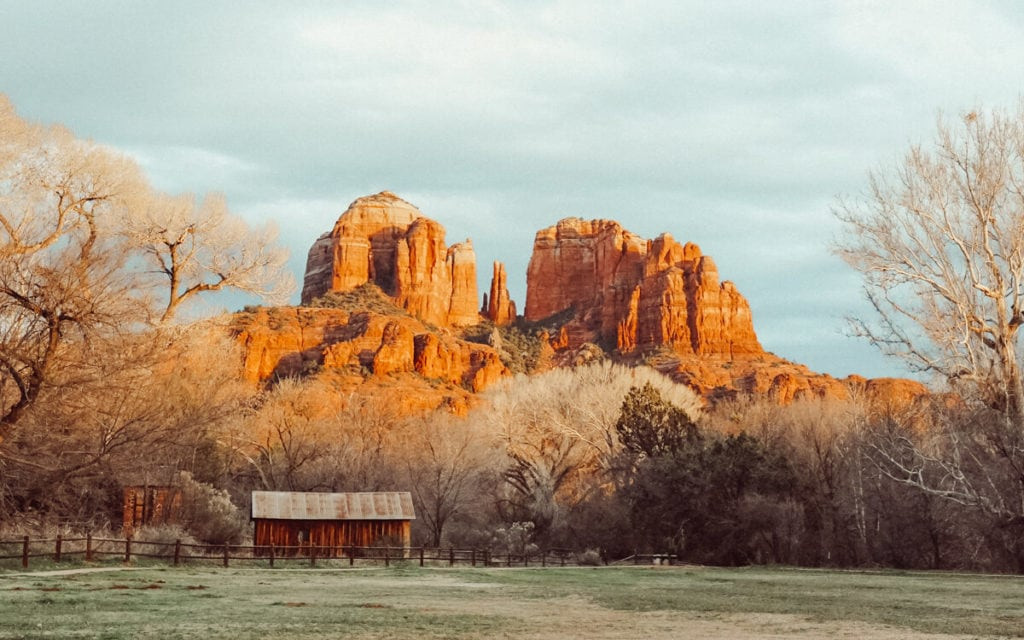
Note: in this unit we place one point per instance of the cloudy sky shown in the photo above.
(734, 125)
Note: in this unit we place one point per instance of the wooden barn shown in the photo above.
(335, 520)
(150, 505)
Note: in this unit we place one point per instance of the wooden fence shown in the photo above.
(127, 550)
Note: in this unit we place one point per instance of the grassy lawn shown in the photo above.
(207, 602)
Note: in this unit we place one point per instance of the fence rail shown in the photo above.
(98, 549)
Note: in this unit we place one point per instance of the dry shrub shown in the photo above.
(208, 513)
(160, 539)
(589, 558)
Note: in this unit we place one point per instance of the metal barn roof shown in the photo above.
(290, 505)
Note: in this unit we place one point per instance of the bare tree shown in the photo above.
(88, 386)
(444, 459)
(204, 247)
(304, 436)
(940, 245)
(558, 432)
(137, 409)
(63, 281)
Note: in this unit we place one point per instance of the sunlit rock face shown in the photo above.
(392, 355)
(384, 240)
(660, 302)
(600, 290)
(636, 294)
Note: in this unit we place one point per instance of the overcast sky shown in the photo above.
(730, 124)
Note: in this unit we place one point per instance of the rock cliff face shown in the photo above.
(635, 294)
(661, 303)
(386, 241)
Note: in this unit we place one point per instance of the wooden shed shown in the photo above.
(146, 505)
(333, 520)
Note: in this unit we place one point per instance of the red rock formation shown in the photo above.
(661, 302)
(653, 301)
(499, 307)
(637, 294)
(387, 241)
(359, 348)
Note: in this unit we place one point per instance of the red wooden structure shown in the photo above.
(148, 505)
(331, 521)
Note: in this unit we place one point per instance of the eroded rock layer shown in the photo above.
(419, 365)
(384, 240)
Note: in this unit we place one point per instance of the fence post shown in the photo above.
(351, 555)
(225, 554)
(451, 556)
(526, 558)
(387, 559)
(508, 560)
(56, 551)
(544, 558)
(271, 555)
(421, 556)
(24, 553)
(312, 555)
(88, 546)
(177, 552)
(127, 549)
(472, 557)
(563, 558)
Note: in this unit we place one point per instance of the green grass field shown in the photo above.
(410, 602)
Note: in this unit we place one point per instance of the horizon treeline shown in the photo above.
(600, 458)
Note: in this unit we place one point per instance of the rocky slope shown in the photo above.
(366, 350)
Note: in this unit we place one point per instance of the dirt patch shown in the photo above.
(578, 617)
(67, 572)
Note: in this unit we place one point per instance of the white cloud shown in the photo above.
(174, 168)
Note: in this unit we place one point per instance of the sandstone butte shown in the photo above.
(384, 240)
(386, 255)
(661, 303)
(593, 286)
